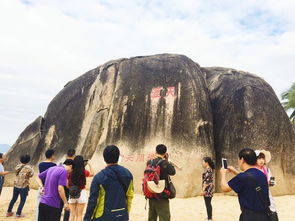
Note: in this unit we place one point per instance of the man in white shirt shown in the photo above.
(2, 171)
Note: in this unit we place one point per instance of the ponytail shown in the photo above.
(210, 162)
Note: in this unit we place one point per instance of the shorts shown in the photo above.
(82, 199)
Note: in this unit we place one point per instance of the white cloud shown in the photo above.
(46, 43)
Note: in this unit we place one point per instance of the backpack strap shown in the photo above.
(18, 172)
(119, 178)
(159, 162)
(152, 162)
(261, 196)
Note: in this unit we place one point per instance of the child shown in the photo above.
(21, 185)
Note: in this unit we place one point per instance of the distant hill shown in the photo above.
(4, 148)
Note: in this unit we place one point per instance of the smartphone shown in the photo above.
(224, 163)
(272, 181)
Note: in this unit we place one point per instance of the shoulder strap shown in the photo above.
(259, 192)
(159, 162)
(152, 162)
(17, 173)
(120, 180)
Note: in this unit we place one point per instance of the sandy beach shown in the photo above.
(225, 208)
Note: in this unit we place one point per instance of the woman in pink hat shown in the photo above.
(264, 157)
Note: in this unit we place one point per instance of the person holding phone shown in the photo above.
(253, 209)
(207, 184)
(264, 157)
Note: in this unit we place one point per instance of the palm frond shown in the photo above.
(292, 116)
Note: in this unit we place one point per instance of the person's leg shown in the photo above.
(79, 211)
(208, 206)
(73, 211)
(152, 210)
(241, 217)
(67, 212)
(23, 197)
(54, 214)
(13, 200)
(276, 215)
(44, 212)
(163, 210)
(1, 183)
(37, 207)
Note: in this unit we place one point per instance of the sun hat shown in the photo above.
(156, 188)
(266, 154)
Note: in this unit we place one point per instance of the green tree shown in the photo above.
(288, 101)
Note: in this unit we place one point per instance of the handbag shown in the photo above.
(74, 192)
(272, 216)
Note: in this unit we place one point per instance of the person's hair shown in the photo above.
(261, 155)
(1, 155)
(111, 154)
(210, 162)
(49, 153)
(69, 162)
(71, 152)
(161, 149)
(78, 174)
(248, 155)
(25, 158)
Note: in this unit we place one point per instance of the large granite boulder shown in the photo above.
(247, 113)
(140, 102)
(136, 104)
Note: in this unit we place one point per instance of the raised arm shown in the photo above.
(91, 171)
(224, 185)
(233, 170)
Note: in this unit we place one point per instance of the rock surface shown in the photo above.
(140, 102)
(247, 113)
(136, 104)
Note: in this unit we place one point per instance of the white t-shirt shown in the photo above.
(1, 168)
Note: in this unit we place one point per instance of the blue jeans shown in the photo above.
(1, 183)
(23, 192)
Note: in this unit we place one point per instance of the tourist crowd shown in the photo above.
(63, 186)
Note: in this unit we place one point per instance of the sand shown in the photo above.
(226, 208)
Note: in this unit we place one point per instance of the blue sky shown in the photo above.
(46, 43)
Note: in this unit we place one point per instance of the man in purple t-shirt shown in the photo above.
(55, 180)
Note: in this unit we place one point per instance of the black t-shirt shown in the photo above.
(45, 165)
(245, 188)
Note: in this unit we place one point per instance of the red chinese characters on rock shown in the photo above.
(164, 91)
(136, 157)
(140, 158)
